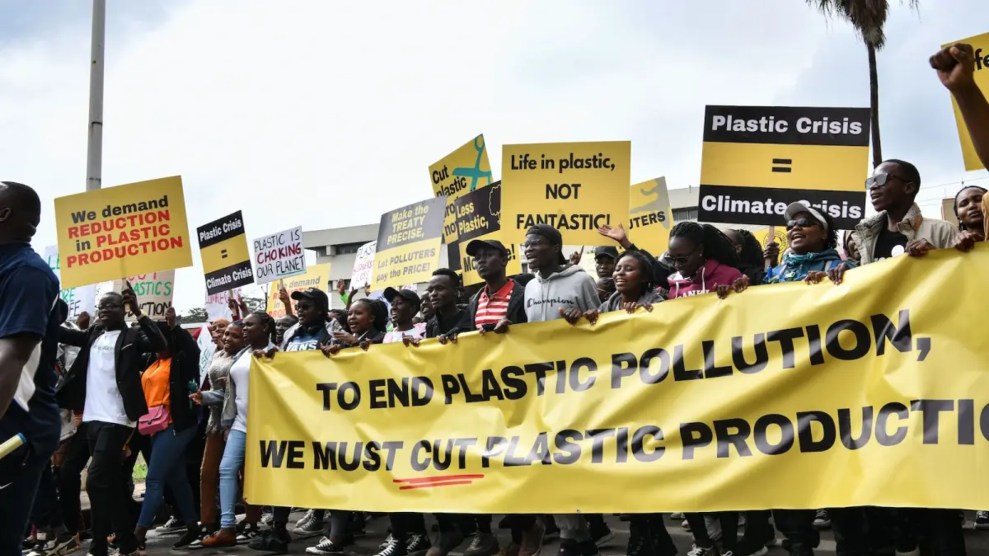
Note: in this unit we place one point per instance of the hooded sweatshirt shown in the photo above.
(795, 267)
(705, 280)
(569, 288)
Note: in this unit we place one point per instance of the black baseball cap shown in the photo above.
(606, 251)
(548, 232)
(313, 294)
(408, 295)
(476, 245)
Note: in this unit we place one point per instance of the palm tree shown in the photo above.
(868, 18)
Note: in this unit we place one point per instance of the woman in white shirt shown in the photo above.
(258, 330)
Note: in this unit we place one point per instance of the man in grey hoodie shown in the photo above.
(559, 290)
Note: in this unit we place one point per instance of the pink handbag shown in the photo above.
(154, 421)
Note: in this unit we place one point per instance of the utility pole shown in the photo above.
(94, 151)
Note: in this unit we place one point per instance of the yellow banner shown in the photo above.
(409, 242)
(316, 276)
(980, 44)
(574, 187)
(701, 404)
(121, 231)
(458, 173)
(650, 216)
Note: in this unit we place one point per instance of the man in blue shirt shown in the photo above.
(28, 348)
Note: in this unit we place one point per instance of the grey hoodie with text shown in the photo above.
(569, 288)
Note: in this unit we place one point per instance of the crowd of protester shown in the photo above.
(98, 393)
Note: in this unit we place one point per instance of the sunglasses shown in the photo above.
(880, 180)
(802, 222)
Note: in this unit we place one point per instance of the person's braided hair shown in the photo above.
(751, 253)
(715, 243)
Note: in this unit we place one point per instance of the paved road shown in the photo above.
(977, 541)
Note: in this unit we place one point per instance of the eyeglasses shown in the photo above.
(681, 260)
(802, 222)
(880, 180)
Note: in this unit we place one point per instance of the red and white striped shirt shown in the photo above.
(492, 308)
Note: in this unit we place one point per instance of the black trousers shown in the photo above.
(70, 479)
(107, 487)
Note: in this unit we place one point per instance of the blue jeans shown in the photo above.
(230, 465)
(167, 466)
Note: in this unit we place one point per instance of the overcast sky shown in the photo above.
(325, 114)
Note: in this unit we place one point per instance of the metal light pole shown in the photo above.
(94, 152)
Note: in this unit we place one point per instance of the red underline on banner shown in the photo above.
(442, 479)
(435, 484)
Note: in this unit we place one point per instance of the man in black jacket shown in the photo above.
(105, 382)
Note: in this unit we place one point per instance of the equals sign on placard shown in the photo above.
(223, 252)
(782, 165)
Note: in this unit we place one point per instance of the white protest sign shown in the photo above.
(218, 304)
(279, 256)
(153, 290)
(206, 350)
(361, 275)
(80, 299)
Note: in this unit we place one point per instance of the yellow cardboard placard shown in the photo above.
(458, 173)
(650, 216)
(574, 187)
(702, 404)
(980, 44)
(121, 231)
(409, 241)
(316, 276)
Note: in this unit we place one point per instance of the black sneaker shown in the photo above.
(482, 544)
(640, 541)
(601, 534)
(325, 547)
(64, 543)
(588, 548)
(273, 542)
(448, 540)
(822, 520)
(417, 543)
(247, 532)
(569, 547)
(982, 519)
(173, 525)
(395, 547)
(309, 526)
(192, 534)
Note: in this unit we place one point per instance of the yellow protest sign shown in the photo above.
(574, 187)
(409, 240)
(756, 160)
(458, 173)
(478, 216)
(223, 249)
(980, 44)
(702, 404)
(650, 216)
(121, 231)
(316, 276)
(778, 235)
